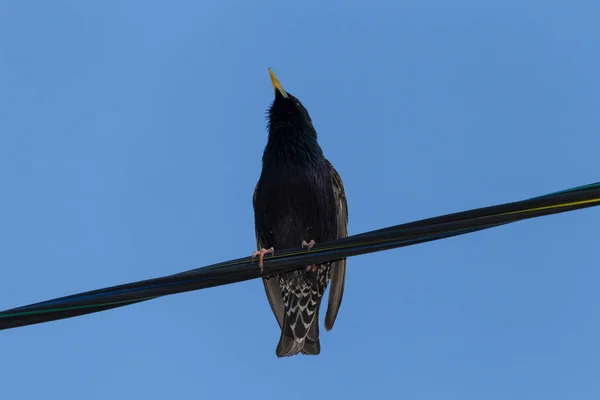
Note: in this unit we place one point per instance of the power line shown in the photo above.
(243, 269)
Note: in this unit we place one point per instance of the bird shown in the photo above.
(299, 200)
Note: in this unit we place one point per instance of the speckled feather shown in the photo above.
(299, 196)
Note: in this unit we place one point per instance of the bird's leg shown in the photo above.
(310, 245)
(261, 254)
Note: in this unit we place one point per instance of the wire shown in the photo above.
(243, 269)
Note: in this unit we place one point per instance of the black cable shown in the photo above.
(244, 269)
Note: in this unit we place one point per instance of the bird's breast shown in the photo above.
(295, 203)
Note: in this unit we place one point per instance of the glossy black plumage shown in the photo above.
(299, 197)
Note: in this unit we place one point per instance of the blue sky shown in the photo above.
(131, 134)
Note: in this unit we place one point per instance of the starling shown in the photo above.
(299, 200)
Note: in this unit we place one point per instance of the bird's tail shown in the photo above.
(312, 346)
(300, 332)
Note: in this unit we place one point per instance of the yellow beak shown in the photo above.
(276, 85)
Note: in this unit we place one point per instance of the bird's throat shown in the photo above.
(296, 150)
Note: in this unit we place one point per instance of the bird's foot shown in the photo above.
(310, 245)
(261, 255)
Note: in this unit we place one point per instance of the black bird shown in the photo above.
(299, 200)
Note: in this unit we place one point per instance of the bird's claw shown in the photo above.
(312, 268)
(310, 246)
(261, 255)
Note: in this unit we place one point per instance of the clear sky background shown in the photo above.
(131, 134)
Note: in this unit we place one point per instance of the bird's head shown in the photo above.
(287, 114)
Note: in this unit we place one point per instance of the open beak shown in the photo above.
(276, 85)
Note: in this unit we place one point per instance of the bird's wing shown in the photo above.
(338, 268)
(271, 285)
